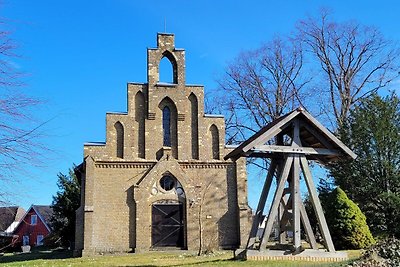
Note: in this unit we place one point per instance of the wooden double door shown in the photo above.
(168, 225)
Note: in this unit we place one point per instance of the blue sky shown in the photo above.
(79, 55)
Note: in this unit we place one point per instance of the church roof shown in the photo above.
(318, 143)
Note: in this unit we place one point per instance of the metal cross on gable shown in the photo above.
(308, 140)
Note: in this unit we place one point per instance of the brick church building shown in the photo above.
(160, 181)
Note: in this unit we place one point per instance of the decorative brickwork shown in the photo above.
(163, 155)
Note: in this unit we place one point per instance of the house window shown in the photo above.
(39, 240)
(167, 126)
(25, 240)
(33, 219)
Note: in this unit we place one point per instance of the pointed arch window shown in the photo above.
(169, 121)
(119, 129)
(167, 126)
(194, 125)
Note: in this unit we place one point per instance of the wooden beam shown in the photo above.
(261, 205)
(294, 150)
(283, 201)
(281, 125)
(317, 205)
(281, 214)
(307, 227)
(271, 132)
(286, 215)
(252, 154)
(321, 138)
(329, 135)
(276, 200)
(282, 205)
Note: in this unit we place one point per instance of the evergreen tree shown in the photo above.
(373, 179)
(65, 202)
(346, 222)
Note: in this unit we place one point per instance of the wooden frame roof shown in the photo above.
(318, 143)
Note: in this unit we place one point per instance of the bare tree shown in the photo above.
(201, 218)
(356, 61)
(19, 146)
(261, 85)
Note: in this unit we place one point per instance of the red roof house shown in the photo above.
(34, 226)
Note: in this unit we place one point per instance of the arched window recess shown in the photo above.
(169, 125)
(214, 141)
(119, 132)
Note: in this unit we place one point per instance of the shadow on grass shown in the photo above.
(186, 264)
(235, 262)
(36, 255)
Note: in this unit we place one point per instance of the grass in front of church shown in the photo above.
(150, 259)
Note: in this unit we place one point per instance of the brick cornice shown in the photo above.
(149, 164)
(204, 165)
(124, 165)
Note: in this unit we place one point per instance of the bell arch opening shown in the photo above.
(167, 69)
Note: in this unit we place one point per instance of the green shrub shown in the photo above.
(385, 253)
(347, 223)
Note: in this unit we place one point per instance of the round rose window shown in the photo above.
(167, 182)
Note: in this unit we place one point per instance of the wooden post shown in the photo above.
(307, 227)
(283, 202)
(296, 200)
(286, 215)
(296, 203)
(317, 205)
(275, 203)
(282, 211)
(261, 205)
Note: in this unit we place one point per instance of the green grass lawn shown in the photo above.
(63, 258)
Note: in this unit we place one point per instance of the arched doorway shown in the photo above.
(168, 214)
(168, 224)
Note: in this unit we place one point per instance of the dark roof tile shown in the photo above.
(46, 212)
(8, 215)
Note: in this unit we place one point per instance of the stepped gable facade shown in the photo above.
(160, 180)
